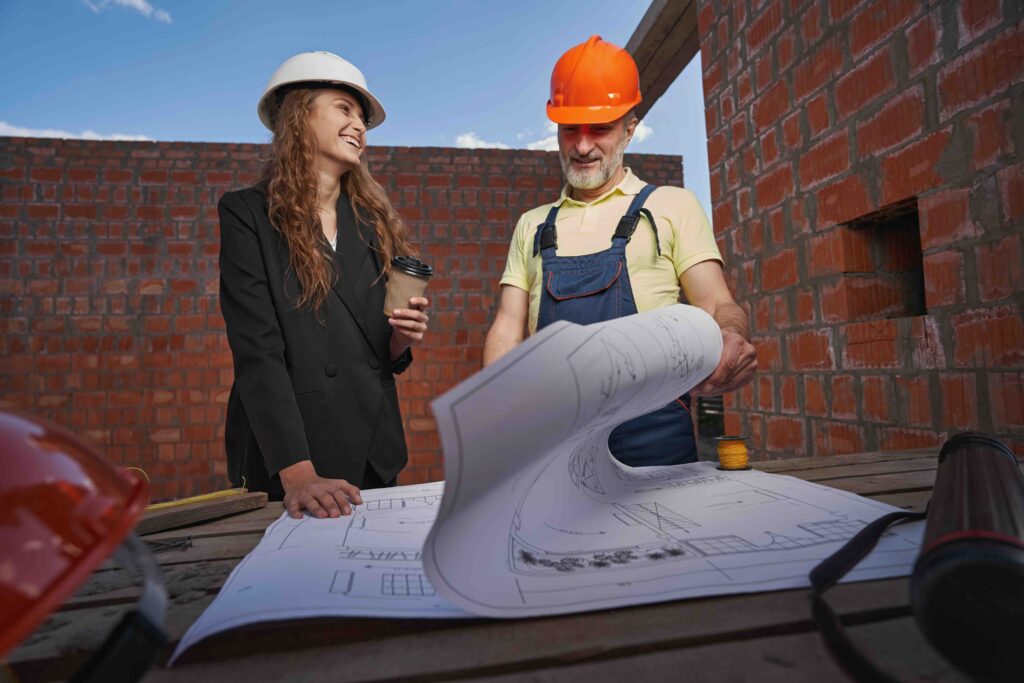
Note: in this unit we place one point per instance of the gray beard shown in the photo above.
(591, 180)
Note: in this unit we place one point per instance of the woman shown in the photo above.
(305, 256)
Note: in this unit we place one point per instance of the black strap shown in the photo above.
(546, 236)
(627, 224)
(827, 574)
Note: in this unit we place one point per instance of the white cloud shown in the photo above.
(548, 143)
(642, 132)
(7, 130)
(473, 141)
(140, 6)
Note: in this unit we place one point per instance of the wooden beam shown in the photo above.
(664, 42)
(200, 511)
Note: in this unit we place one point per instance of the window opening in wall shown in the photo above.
(892, 285)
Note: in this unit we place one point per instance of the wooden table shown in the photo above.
(758, 637)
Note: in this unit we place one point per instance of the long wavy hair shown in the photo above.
(290, 183)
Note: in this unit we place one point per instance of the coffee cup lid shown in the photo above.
(412, 266)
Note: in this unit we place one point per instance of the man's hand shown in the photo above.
(409, 325)
(735, 368)
(304, 489)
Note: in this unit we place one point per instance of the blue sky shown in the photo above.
(449, 72)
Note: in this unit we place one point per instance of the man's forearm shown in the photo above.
(498, 343)
(732, 318)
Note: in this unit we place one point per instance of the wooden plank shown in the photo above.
(824, 475)
(69, 634)
(120, 586)
(252, 522)
(896, 645)
(663, 43)
(484, 645)
(793, 464)
(901, 482)
(189, 514)
(915, 501)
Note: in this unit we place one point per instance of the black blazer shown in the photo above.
(305, 389)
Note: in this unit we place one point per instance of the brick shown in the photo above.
(817, 68)
(943, 279)
(911, 171)
(923, 43)
(975, 18)
(839, 9)
(897, 122)
(858, 297)
(814, 396)
(1006, 396)
(837, 438)
(844, 397)
(927, 351)
(982, 72)
(786, 435)
(913, 396)
(770, 106)
(898, 438)
(788, 395)
(842, 201)
(767, 24)
(817, 114)
(810, 350)
(1011, 191)
(825, 160)
(876, 397)
(991, 135)
(959, 401)
(989, 337)
(873, 344)
(765, 394)
(769, 357)
(779, 271)
(999, 269)
(841, 250)
(774, 187)
(810, 24)
(945, 218)
(878, 21)
(864, 84)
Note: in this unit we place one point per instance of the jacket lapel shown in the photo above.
(352, 259)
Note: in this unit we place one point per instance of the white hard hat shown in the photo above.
(319, 67)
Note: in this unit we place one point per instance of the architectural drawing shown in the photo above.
(364, 564)
(558, 525)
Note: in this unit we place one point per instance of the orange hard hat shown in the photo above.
(594, 82)
(63, 511)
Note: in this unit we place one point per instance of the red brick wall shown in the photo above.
(109, 318)
(818, 113)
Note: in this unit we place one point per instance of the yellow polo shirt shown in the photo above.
(684, 233)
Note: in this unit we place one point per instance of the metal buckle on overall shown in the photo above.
(548, 236)
(627, 226)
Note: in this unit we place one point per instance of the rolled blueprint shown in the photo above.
(526, 453)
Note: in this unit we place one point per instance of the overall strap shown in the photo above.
(546, 235)
(627, 224)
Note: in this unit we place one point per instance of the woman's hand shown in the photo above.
(409, 325)
(304, 489)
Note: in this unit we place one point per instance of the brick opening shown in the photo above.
(875, 266)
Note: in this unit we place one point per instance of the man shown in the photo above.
(612, 246)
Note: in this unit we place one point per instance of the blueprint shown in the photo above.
(535, 517)
(538, 518)
(365, 564)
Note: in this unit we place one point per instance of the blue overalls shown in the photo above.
(595, 287)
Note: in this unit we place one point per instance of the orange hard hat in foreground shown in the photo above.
(594, 82)
(63, 511)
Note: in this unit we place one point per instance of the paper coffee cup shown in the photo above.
(409, 278)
